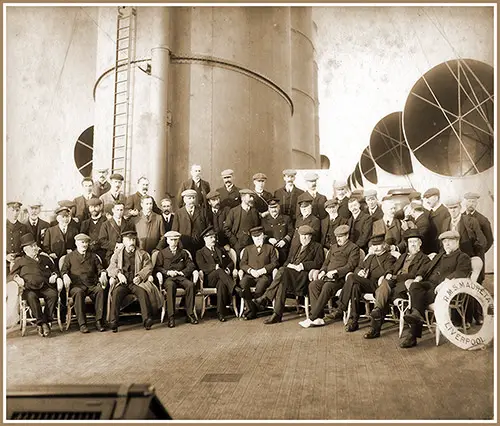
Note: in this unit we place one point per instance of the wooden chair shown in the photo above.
(206, 292)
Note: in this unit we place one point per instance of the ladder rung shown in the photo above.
(123, 38)
(120, 81)
(121, 103)
(122, 49)
(119, 136)
(119, 93)
(118, 158)
(120, 113)
(119, 125)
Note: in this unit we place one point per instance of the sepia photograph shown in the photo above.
(249, 212)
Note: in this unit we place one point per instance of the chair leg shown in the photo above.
(68, 317)
(59, 322)
(163, 310)
(438, 335)
(24, 317)
(347, 313)
(242, 307)
(235, 306)
(306, 305)
(203, 305)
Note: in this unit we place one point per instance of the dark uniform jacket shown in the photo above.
(376, 215)
(206, 259)
(472, 239)
(84, 270)
(34, 273)
(393, 232)
(181, 261)
(81, 209)
(13, 238)
(310, 220)
(202, 191)
(360, 229)
(38, 230)
(237, 235)
(318, 206)
(288, 200)
(217, 221)
(111, 233)
(344, 208)
(454, 265)
(418, 267)
(328, 227)
(93, 230)
(376, 265)
(167, 224)
(436, 221)
(55, 242)
(260, 201)
(150, 231)
(344, 259)
(101, 189)
(485, 225)
(312, 257)
(143, 266)
(190, 228)
(423, 225)
(230, 198)
(267, 258)
(280, 227)
(134, 203)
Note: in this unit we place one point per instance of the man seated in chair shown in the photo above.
(342, 258)
(453, 263)
(83, 273)
(176, 266)
(38, 279)
(411, 264)
(293, 277)
(364, 280)
(257, 262)
(129, 266)
(216, 266)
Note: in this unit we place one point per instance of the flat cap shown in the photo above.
(412, 233)
(259, 176)
(108, 208)
(208, 231)
(370, 193)
(273, 202)
(417, 205)
(94, 202)
(340, 184)
(82, 237)
(449, 235)
(246, 191)
(289, 172)
(311, 176)
(358, 193)
(341, 230)
(27, 239)
(63, 210)
(66, 203)
(377, 239)
(304, 198)
(331, 203)
(212, 194)
(172, 234)
(14, 204)
(430, 192)
(227, 172)
(452, 202)
(130, 234)
(255, 232)
(414, 195)
(305, 230)
(188, 193)
(471, 196)
(116, 176)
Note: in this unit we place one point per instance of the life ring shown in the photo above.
(446, 293)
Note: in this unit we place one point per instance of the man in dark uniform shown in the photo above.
(278, 229)
(360, 224)
(258, 261)
(216, 266)
(390, 226)
(317, 200)
(176, 266)
(83, 274)
(305, 217)
(36, 225)
(437, 215)
(373, 208)
(453, 263)
(149, 226)
(82, 202)
(133, 203)
(364, 279)
(167, 213)
(418, 218)
(261, 196)
(240, 220)
(115, 194)
(59, 240)
(294, 275)
(92, 227)
(101, 185)
(330, 223)
(129, 267)
(343, 257)
(411, 264)
(342, 195)
(38, 274)
(71, 206)
(288, 195)
(216, 215)
(196, 183)
(229, 193)
(15, 230)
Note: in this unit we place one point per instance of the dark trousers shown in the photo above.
(96, 293)
(386, 292)
(290, 281)
(320, 292)
(119, 293)
(32, 298)
(422, 295)
(224, 285)
(260, 285)
(354, 287)
(170, 285)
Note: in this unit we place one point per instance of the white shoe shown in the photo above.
(306, 323)
(318, 321)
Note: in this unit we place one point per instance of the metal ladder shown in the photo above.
(125, 29)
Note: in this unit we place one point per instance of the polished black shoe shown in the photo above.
(84, 329)
(46, 329)
(407, 341)
(191, 319)
(171, 322)
(275, 318)
(39, 328)
(261, 302)
(336, 315)
(372, 333)
(99, 326)
(148, 323)
(414, 317)
(249, 316)
(352, 325)
(221, 317)
(114, 327)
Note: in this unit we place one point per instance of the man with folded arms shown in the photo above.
(257, 262)
(83, 273)
(343, 257)
(453, 263)
(410, 265)
(217, 267)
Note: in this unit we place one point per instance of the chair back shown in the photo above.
(477, 266)
(154, 256)
(61, 260)
(362, 256)
(232, 256)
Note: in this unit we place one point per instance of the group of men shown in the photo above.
(277, 241)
